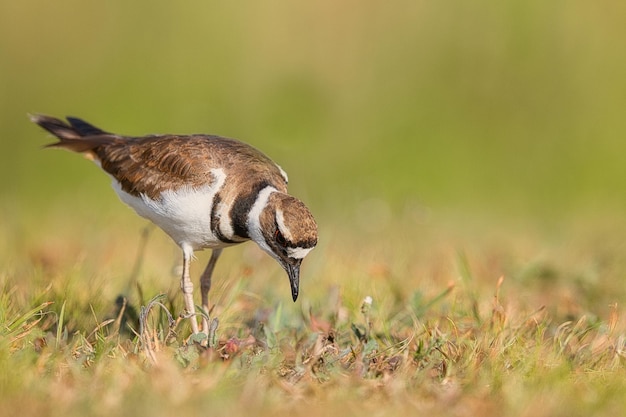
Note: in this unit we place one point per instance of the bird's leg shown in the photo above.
(187, 286)
(205, 286)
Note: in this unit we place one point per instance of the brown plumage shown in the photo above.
(151, 164)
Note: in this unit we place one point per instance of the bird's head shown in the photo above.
(284, 228)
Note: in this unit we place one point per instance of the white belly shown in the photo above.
(184, 213)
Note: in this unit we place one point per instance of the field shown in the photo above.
(457, 325)
(464, 163)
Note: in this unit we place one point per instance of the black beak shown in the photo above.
(294, 279)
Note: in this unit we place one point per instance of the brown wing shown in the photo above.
(152, 164)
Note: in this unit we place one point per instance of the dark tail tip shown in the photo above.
(84, 128)
(57, 127)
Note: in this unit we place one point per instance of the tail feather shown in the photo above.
(84, 128)
(57, 127)
(77, 136)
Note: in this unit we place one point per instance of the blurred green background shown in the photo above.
(493, 107)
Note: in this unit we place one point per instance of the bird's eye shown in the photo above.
(280, 239)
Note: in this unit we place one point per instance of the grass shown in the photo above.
(454, 325)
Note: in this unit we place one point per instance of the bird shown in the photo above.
(204, 191)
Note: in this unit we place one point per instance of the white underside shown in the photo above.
(184, 213)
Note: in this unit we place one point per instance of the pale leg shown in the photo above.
(205, 286)
(187, 286)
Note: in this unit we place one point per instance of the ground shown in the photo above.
(463, 321)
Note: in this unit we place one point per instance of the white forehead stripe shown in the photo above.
(280, 220)
(298, 253)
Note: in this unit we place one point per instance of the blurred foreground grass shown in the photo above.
(505, 322)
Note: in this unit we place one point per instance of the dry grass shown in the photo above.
(501, 326)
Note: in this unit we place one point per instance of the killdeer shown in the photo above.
(205, 192)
